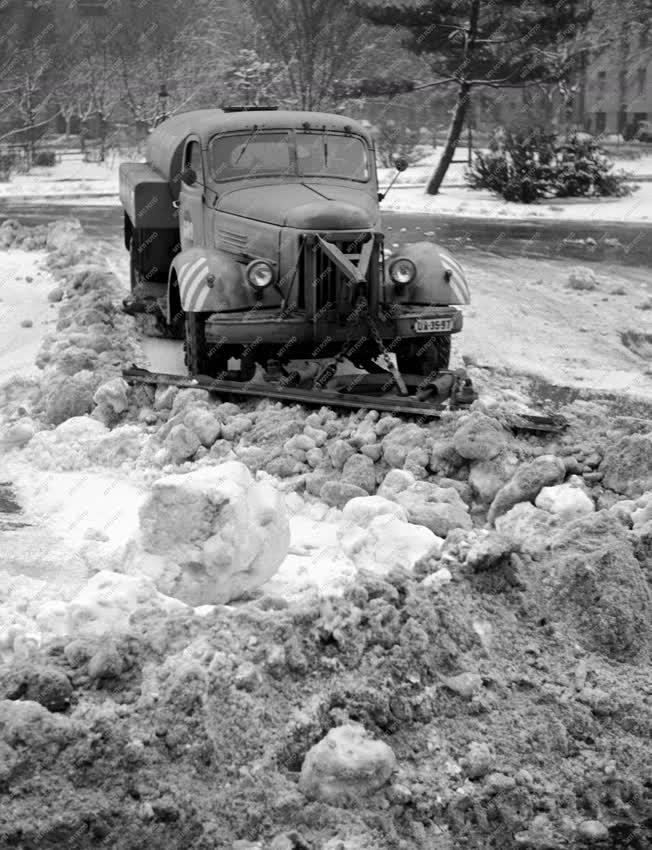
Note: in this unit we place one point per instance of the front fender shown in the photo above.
(209, 280)
(439, 279)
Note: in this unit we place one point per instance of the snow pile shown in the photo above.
(81, 441)
(427, 622)
(599, 587)
(212, 534)
(15, 235)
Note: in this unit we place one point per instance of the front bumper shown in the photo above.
(267, 326)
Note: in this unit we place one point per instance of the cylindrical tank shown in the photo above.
(165, 144)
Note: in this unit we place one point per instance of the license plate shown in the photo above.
(428, 326)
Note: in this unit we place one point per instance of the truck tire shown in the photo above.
(423, 357)
(133, 255)
(202, 358)
(197, 358)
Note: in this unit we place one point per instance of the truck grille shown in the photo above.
(320, 274)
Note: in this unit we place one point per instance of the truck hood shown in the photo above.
(324, 207)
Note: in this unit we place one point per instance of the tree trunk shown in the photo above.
(454, 133)
(580, 114)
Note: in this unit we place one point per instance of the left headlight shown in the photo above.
(259, 274)
(402, 271)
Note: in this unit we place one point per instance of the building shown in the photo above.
(617, 86)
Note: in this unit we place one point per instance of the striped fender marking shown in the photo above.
(191, 276)
(457, 282)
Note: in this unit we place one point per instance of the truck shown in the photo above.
(255, 235)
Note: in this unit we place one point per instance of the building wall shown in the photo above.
(618, 85)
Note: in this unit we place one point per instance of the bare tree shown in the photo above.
(314, 41)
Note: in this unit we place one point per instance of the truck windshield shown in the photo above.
(315, 154)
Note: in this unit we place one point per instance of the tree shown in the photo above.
(314, 41)
(479, 43)
(26, 67)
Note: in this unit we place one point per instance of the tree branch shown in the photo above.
(446, 81)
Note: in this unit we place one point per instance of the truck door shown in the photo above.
(191, 199)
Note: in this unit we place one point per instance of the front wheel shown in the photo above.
(197, 357)
(423, 357)
(212, 359)
(133, 259)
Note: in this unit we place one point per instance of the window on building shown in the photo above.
(602, 81)
(600, 122)
(641, 78)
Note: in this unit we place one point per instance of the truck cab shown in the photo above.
(257, 236)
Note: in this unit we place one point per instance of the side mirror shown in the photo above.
(400, 164)
(189, 176)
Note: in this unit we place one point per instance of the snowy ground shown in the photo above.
(76, 182)
(482, 204)
(518, 307)
(23, 298)
(436, 633)
(71, 177)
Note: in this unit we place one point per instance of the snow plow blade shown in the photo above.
(447, 390)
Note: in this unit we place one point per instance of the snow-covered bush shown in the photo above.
(525, 166)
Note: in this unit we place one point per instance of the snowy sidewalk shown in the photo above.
(633, 209)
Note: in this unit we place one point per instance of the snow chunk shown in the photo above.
(479, 437)
(526, 484)
(68, 445)
(346, 765)
(565, 500)
(582, 278)
(400, 441)
(221, 532)
(105, 604)
(627, 465)
(361, 510)
(527, 526)
(18, 434)
(387, 542)
(64, 234)
(113, 394)
(69, 396)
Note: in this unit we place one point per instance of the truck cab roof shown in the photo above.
(205, 123)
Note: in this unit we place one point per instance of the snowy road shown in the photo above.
(541, 238)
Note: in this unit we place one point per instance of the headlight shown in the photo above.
(259, 274)
(402, 271)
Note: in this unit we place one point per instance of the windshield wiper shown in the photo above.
(323, 135)
(246, 145)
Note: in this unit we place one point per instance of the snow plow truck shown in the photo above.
(255, 235)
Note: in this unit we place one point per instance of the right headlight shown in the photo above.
(402, 271)
(259, 274)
